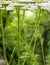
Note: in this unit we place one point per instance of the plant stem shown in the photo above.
(3, 40)
(12, 55)
(18, 35)
(42, 51)
(34, 45)
(23, 17)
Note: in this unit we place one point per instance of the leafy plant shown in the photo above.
(23, 38)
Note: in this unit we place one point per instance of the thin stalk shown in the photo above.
(22, 33)
(18, 35)
(3, 40)
(34, 45)
(31, 40)
(12, 55)
(22, 21)
(23, 17)
(42, 51)
(38, 20)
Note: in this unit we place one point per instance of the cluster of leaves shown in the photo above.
(25, 39)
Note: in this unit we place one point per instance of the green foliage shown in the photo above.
(23, 36)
